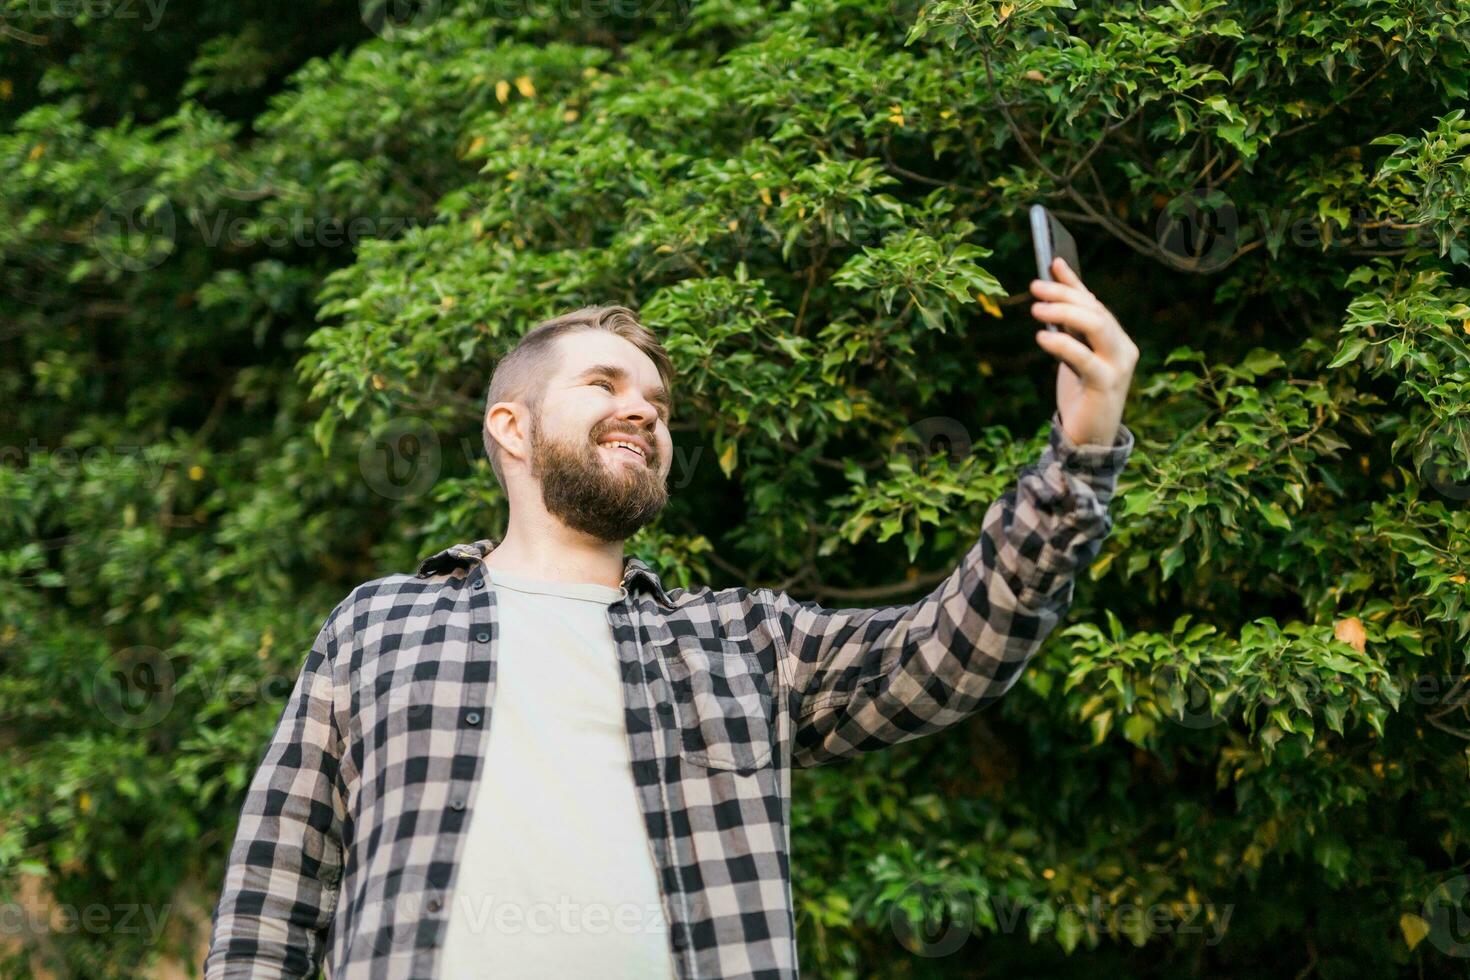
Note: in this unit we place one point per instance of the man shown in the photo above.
(530, 759)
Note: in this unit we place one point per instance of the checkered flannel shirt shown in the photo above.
(353, 826)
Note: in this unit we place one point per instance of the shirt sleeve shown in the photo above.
(281, 880)
(862, 679)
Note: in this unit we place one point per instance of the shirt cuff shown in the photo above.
(1092, 459)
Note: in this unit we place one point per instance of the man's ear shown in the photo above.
(503, 424)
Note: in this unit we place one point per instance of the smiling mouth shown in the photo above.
(632, 454)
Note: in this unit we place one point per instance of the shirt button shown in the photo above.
(457, 805)
(483, 636)
(434, 905)
(664, 708)
(473, 718)
(479, 583)
(678, 937)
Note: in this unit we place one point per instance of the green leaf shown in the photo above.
(1349, 352)
(1273, 513)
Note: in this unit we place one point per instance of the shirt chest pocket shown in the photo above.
(723, 703)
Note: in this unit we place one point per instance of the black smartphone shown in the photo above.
(1050, 238)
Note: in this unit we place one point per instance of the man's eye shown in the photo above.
(605, 384)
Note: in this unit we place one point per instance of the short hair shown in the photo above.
(523, 373)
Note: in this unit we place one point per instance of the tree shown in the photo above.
(253, 298)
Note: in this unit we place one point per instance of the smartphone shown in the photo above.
(1050, 238)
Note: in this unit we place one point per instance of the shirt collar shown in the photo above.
(468, 553)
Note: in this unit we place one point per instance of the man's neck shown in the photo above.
(558, 555)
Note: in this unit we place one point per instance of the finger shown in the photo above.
(1073, 353)
(1096, 326)
(1067, 275)
(1062, 293)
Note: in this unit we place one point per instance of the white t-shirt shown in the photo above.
(558, 878)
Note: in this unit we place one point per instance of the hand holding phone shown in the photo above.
(1096, 357)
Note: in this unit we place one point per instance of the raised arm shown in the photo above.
(867, 678)
(281, 881)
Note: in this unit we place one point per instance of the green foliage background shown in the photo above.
(820, 206)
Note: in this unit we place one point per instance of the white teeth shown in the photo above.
(626, 445)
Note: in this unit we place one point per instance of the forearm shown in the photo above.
(870, 678)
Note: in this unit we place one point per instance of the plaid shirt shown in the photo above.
(352, 827)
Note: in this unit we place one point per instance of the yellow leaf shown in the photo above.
(36, 151)
(84, 802)
(196, 472)
(524, 86)
(1351, 632)
(502, 91)
(733, 224)
(945, 113)
(986, 369)
(1414, 929)
(447, 303)
(1465, 324)
(569, 116)
(378, 382)
(989, 305)
(6, 88)
(765, 193)
(475, 144)
(727, 459)
(1005, 10)
(1035, 76)
(512, 175)
(1458, 579)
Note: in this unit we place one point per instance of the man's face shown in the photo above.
(604, 388)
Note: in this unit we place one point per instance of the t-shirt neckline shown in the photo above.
(604, 594)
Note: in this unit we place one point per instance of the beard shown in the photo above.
(609, 500)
